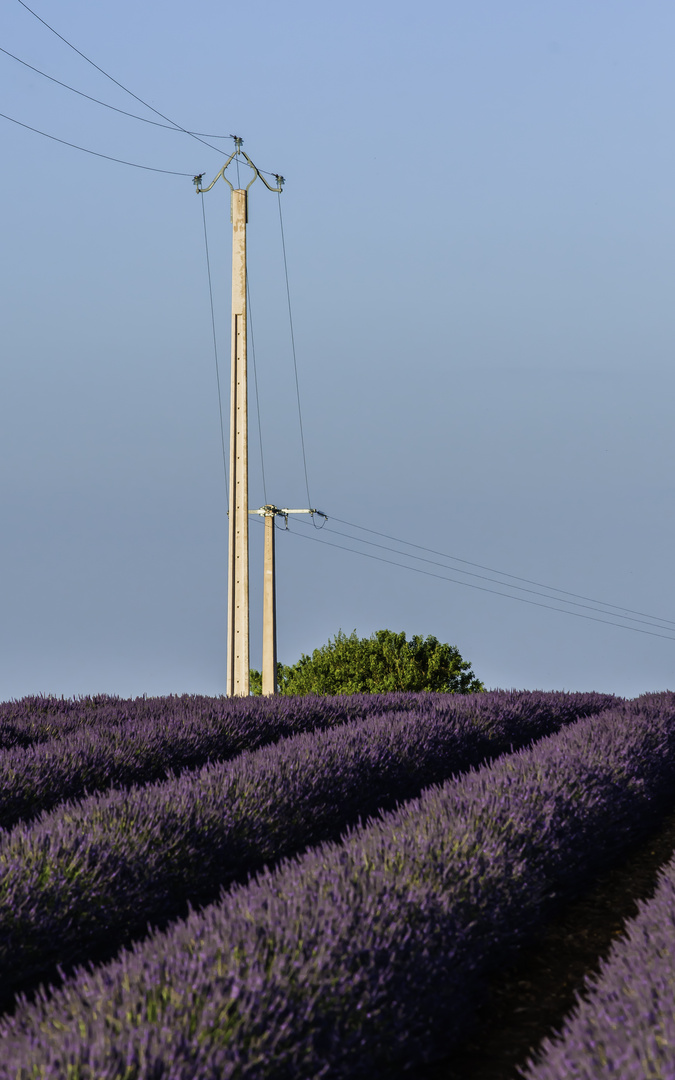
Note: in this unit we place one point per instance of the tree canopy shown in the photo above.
(381, 663)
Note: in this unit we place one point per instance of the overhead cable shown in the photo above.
(95, 153)
(496, 581)
(106, 105)
(70, 45)
(481, 588)
(215, 351)
(295, 361)
(503, 573)
(249, 333)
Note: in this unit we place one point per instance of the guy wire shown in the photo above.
(215, 352)
(295, 362)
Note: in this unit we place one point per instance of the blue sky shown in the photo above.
(481, 255)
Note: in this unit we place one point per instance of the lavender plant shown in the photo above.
(41, 718)
(89, 876)
(623, 1024)
(125, 743)
(364, 955)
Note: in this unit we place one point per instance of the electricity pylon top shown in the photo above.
(256, 172)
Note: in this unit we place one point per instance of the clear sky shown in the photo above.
(480, 237)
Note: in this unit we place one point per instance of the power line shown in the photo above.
(249, 331)
(295, 362)
(147, 105)
(215, 351)
(484, 577)
(95, 153)
(106, 105)
(174, 125)
(502, 573)
(481, 588)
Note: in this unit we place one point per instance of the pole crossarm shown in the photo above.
(269, 510)
(197, 180)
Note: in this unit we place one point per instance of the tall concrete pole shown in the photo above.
(238, 671)
(269, 650)
(237, 586)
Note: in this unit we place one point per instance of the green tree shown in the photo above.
(383, 662)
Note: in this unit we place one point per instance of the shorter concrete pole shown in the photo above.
(269, 655)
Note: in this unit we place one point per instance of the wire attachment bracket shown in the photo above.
(238, 142)
(270, 510)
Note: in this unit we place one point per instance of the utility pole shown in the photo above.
(237, 577)
(269, 654)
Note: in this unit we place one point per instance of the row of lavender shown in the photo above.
(624, 1024)
(103, 743)
(40, 718)
(352, 958)
(87, 877)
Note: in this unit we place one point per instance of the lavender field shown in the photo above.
(319, 887)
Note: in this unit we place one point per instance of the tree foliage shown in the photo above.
(382, 663)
